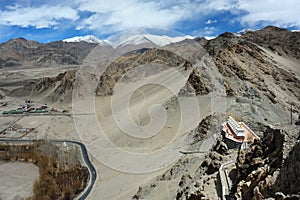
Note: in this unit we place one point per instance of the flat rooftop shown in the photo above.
(249, 135)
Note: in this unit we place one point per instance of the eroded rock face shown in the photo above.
(207, 127)
(197, 84)
(221, 147)
(257, 166)
(288, 180)
(202, 130)
(61, 87)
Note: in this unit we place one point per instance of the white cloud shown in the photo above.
(209, 30)
(111, 16)
(121, 15)
(211, 21)
(284, 13)
(254, 12)
(39, 17)
(210, 5)
(251, 13)
(117, 15)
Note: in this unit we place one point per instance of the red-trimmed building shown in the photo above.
(237, 133)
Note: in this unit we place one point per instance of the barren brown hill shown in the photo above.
(131, 60)
(21, 53)
(57, 88)
(278, 40)
(251, 70)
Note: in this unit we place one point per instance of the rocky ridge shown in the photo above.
(53, 88)
(240, 60)
(123, 64)
(21, 53)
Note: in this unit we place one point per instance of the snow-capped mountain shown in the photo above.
(243, 31)
(88, 39)
(159, 40)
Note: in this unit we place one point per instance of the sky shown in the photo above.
(46, 21)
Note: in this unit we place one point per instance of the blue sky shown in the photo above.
(47, 21)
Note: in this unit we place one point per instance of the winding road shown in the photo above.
(90, 166)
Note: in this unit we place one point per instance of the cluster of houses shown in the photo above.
(28, 107)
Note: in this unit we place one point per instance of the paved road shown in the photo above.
(90, 166)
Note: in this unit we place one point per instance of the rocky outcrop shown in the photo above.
(198, 83)
(191, 177)
(223, 41)
(261, 174)
(256, 166)
(221, 147)
(288, 181)
(206, 128)
(193, 186)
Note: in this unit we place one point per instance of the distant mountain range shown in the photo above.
(157, 40)
(27, 53)
(87, 38)
(72, 51)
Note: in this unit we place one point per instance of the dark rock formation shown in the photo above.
(288, 181)
(198, 83)
(207, 127)
(221, 147)
(257, 165)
